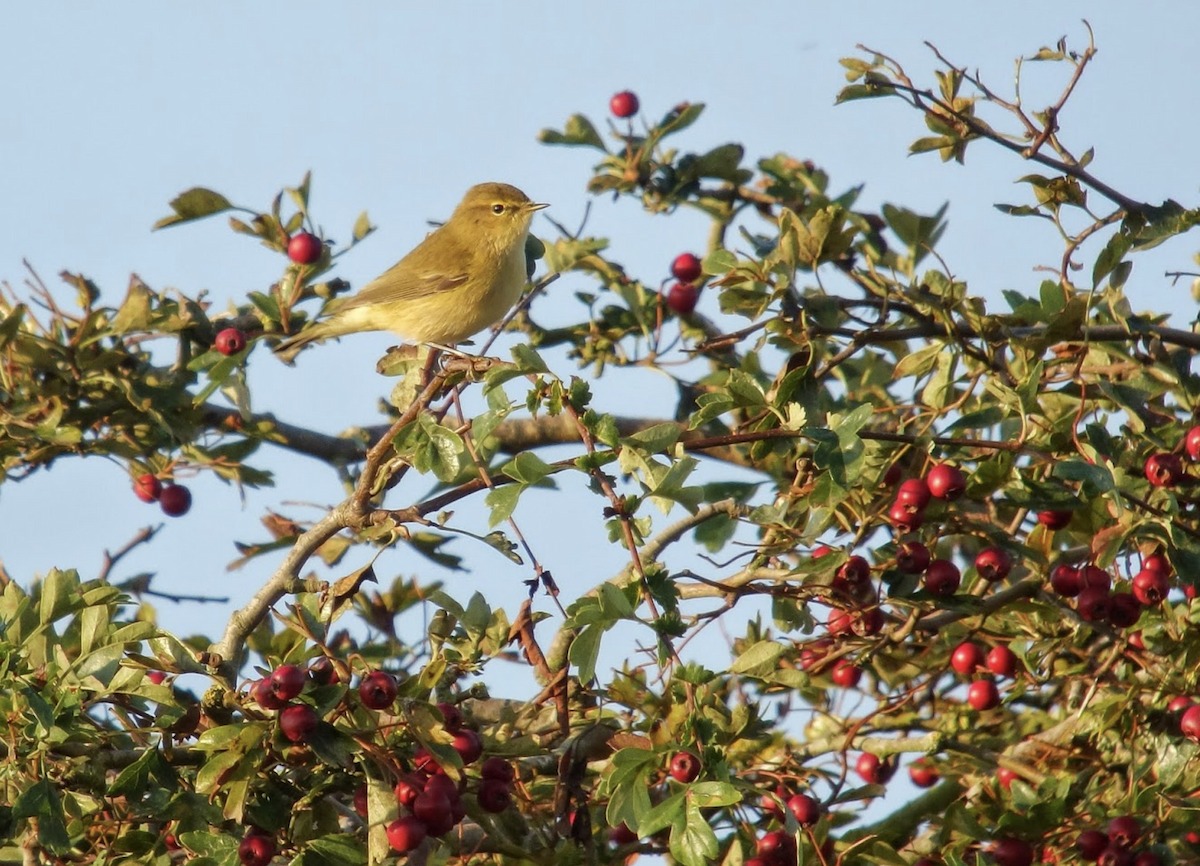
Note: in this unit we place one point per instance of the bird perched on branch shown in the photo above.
(465, 276)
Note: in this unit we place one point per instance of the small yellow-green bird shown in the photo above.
(465, 276)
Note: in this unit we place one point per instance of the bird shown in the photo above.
(463, 277)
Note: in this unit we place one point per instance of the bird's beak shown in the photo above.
(536, 205)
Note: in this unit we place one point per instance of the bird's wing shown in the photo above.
(399, 284)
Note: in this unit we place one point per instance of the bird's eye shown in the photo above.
(497, 209)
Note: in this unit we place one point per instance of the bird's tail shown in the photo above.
(287, 349)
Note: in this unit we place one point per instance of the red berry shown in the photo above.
(624, 104)
(682, 297)
(1124, 830)
(156, 677)
(256, 849)
(839, 622)
(1092, 603)
(1012, 852)
(287, 681)
(942, 577)
(872, 770)
(685, 767)
(806, 810)
(922, 774)
(377, 690)
(1150, 586)
(868, 622)
(776, 847)
(1123, 610)
(408, 789)
(175, 500)
(297, 722)
(1065, 580)
(432, 808)
(1055, 519)
(905, 519)
(1090, 844)
(469, 745)
(1005, 777)
(966, 658)
(993, 563)
(913, 494)
(1164, 470)
(452, 716)
(264, 694)
(686, 268)
(147, 488)
(1093, 575)
(322, 672)
(405, 834)
(1189, 723)
(1115, 855)
(622, 835)
(1147, 858)
(305, 248)
(1158, 562)
(230, 341)
(1002, 661)
(855, 570)
(1178, 704)
(983, 695)
(494, 795)
(497, 768)
(912, 557)
(845, 673)
(815, 651)
(441, 784)
(946, 482)
(1191, 443)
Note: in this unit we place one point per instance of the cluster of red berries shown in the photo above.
(777, 847)
(1115, 847)
(173, 499)
(969, 658)
(682, 296)
(943, 481)
(1095, 600)
(432, 800)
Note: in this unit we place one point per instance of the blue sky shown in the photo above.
(111, 110)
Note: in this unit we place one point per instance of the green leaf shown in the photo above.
(710, 794)
(1110, 257)
(585, 649)
(668, 813)
(502, 501)
(134, 313)
(694, 843)
(41, 801)
(528, 360)
(338, 850)
(196, 203)
(362, 227)
(527, 468)
(578, 132)
(759, 660)
(721, 163)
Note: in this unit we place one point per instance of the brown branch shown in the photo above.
(111, 559)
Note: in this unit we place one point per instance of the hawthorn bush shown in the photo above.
(976, 531)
